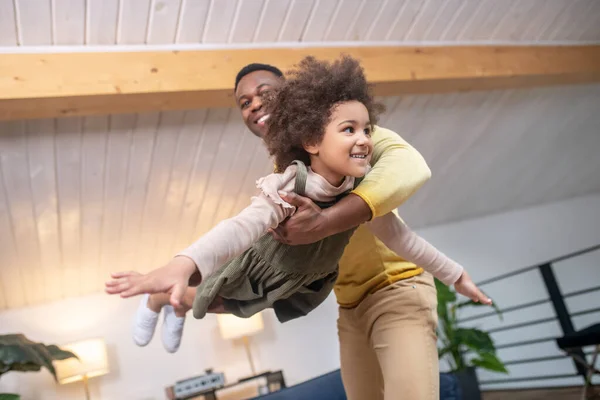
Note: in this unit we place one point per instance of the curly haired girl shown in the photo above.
(319, 133)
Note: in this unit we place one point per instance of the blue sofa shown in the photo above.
(329, 387)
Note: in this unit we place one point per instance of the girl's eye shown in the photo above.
(368, 132)
(349, 129)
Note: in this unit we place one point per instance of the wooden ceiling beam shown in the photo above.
(74, 84)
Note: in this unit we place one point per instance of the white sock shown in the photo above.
(172, 329)
(145, 323)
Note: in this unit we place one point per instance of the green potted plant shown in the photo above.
(464, 348)
(17, 353)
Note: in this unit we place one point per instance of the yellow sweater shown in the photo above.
(367, 265)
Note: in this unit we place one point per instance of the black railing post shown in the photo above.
(560, 308)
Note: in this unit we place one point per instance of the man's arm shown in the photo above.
(398, 171)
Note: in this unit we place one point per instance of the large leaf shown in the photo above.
(21, 353)
(27, 367)
(444, 294)
(490, 362)
(17, 353)
(59, 354)
(45, 355)
(474, 339)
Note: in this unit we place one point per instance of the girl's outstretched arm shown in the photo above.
(399, 238)
(171, 278)
(222, 243)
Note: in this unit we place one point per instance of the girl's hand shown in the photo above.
(172, 278)
(465, 286)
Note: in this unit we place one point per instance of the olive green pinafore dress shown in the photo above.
(293, 280)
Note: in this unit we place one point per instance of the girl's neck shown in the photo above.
(333, 178)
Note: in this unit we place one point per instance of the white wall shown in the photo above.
(305, 348)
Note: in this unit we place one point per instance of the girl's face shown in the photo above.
(346, 147)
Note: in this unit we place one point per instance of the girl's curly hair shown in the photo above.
(302, 106)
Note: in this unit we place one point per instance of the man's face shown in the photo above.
(248, 96)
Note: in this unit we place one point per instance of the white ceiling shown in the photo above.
(153, 22)
(80, 197)
(501, 150)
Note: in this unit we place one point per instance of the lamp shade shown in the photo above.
(232, 327)
(93, 361)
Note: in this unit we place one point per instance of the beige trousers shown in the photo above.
(388, 343)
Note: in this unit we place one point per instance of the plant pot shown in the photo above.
(8, 396)
(449, 386)
(468, 383)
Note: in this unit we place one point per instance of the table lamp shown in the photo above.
(93, 361)
(232, 327)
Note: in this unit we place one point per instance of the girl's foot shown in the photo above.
(172, 329)
(144, 323)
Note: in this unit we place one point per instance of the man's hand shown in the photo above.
(465, 286)
(307, 225)
(310, 224)
(173, 278)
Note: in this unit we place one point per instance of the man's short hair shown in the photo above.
(248, 69)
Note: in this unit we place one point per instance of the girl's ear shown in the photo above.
(312, 149)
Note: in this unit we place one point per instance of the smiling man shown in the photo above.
(251, 83)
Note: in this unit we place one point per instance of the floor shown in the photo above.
(570, 393)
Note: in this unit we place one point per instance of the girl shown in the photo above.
(323, 118)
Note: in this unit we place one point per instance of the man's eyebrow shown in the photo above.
(257, 88)
(262, 85)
